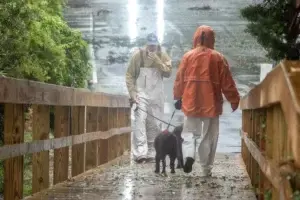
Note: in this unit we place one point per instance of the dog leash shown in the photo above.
(168, 123)
(171, 119)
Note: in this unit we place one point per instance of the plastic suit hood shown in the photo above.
(203, 76)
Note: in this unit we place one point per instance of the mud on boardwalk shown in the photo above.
(129, 181)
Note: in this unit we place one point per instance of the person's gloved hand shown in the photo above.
(178, 104)
(131, 102)
(234, 106)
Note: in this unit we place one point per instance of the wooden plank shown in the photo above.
(128, 124)
(121, 120)
(262, 177)
(61, 156)
(280, 87)
(112, 143)
(91, 147)
(103, 143)
(30, 92)
(117, 137)
(268, 168)
(40, 160)
(13, 167)
(277, 142)
(9, 151)
(269, 143)
(78, 150)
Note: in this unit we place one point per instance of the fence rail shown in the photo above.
(271, 133)
(96, 126)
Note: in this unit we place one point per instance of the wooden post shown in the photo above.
(13, 167)
(276, 144)
(117, 137)
(269, 142)
(111, 149)
(245, 128)
(128, 124)
(91, 147)
(40, 160)
(103, 144)
(61, 156)
(78, 151)
(122, 137)
(260, 143)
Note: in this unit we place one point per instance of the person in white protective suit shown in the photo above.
(202, 77)
(144, 80)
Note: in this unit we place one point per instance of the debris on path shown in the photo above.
(138, 181)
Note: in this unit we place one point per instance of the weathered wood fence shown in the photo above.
(271, 133)
(95, 125)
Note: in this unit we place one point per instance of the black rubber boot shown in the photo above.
(188, 166)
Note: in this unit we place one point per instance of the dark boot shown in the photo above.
(188, 166)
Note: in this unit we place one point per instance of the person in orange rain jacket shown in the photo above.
(202, 77)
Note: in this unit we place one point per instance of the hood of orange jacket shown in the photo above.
(204, 36)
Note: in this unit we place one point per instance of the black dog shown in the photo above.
(167, 143)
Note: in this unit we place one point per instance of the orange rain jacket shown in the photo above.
(203, 76)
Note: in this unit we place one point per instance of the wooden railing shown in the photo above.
(95, 126)
(271, 133)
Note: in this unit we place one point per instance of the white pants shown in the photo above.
(200, 136)
(145, 129)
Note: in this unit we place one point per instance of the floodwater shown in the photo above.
(114, 28)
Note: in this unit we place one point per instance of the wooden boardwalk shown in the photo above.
(129, 181)
(95, 128)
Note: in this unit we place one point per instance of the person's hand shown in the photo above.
(178, 104)
(133, 104)
(152, 56)
(132, 101)
(234, 106)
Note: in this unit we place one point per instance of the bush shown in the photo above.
(37, 44)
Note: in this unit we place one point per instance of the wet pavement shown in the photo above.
(114, 28)
(130, 181)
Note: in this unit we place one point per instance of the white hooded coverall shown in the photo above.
(144, 79)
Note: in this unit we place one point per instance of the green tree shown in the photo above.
(271, 23)
(37, 44)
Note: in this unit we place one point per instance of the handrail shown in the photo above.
(95, 125)
(279, 87)
(10, 151)
(21, 91)
(271, 109)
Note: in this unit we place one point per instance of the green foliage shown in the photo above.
(269, 24)
(36, 43)
(296, 195)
